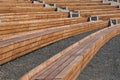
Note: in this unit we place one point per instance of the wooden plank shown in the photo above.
(72, 70)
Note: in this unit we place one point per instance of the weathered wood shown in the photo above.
(87, 14)
(18, 27)
(17, 45)
(25, 27)
(80, 4)
(78, 54)
(90, 7)
(35, 16)
(108, 16)
(71, 1)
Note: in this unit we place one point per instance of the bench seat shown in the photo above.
(108, 16)
(68, 64)
(12, 48)
(87, 14)
(90, 7)
(7, 28)
(37, 16)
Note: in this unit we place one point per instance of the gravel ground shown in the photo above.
(104, 66)
(106, 63)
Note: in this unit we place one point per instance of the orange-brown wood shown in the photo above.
(14, 46)
(87, 48)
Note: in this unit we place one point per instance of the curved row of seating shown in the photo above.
(91, 8)
(14, 47)
(26, 26)
(15, 25)
(67, 64)
(8, 28)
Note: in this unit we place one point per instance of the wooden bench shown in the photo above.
(87, 14)
(12, 48)
(27, 13)
(14, 1)
(34, 16)
(95, 10)
(90, 7)
(8, 28)
(80, 4)
(25, 9)
(73, 1)
(20, 5)
(68, 64)
(107, 16)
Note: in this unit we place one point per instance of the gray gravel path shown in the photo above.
(15, 69)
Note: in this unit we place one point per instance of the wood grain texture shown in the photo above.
(17, 46)
(32, 25)
(25, 27)
(85, 50)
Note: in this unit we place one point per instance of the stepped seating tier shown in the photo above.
(108, 16)
(80, 4)
(12, 48)
(24, 9)
(26, 26)
(87, 14)
(34, 16)
(68, 64)
(90, 7)
(72, 1)
(32, 25)
(100, 10)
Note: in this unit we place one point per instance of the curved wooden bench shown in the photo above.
(94, 10)
(34, 16)
(8, 28)
(70, 1)
(19, 5)
(9, 1)
(87, 14)
(24, 13)
(107, 16)
(22, 44)
(15, 10)
(90, 7)
(79, 4)
(68, 64)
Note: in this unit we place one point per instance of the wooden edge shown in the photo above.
(30, 74)
(49, 61)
